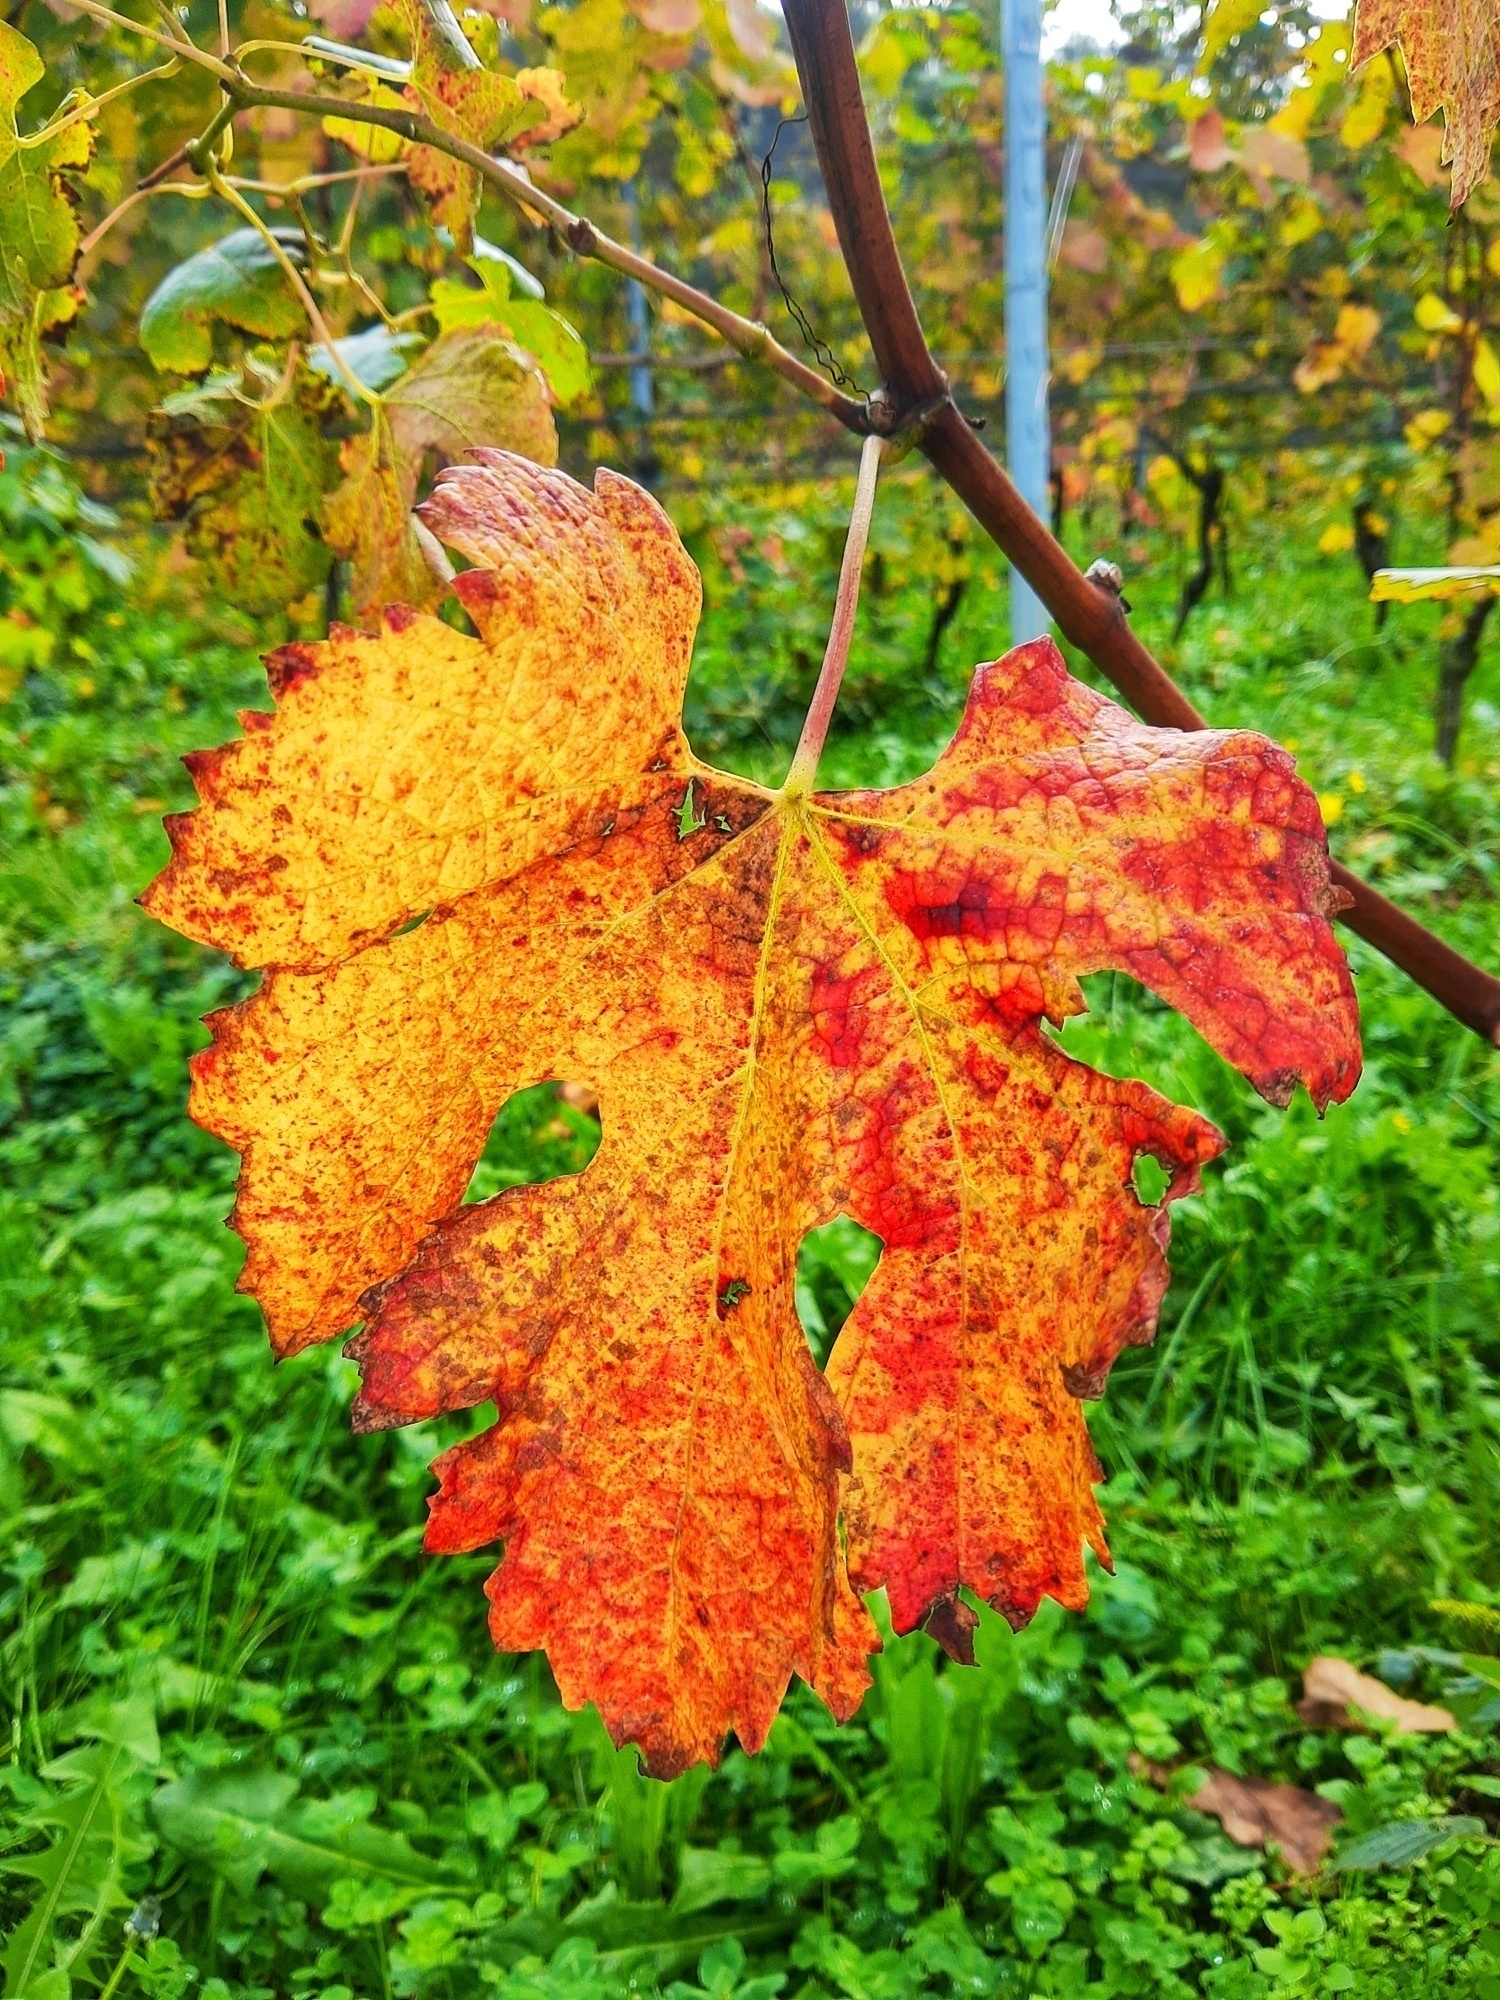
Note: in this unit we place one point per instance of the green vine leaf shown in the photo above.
(38, 228)
(249, 481)
(557, 345)
(237, 280)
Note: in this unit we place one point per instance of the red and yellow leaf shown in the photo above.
(792, 1007)
(483, 106)
(470, 384)
(1452, 53)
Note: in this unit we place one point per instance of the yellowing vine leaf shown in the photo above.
(248, 478)
(372, 142)
(1452, 53)
(1425, 586)
(488, 109)
(473, 864)
(1326, 360)
(471, 385)
(38, 229)
(1225, 19)
(1197, 272)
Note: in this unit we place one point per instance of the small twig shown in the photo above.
(285, 190)
(830, 677)
(112, 1985)
(194, 190)
(170, 22)
(201, 151)
(175, 159)
(383, 68)
(344, 251)
(93, 104)
(199, 190)
(191, 50)
(345, 247)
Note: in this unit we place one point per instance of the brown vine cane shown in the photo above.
(1090, 615)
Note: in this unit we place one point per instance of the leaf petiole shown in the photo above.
(72, 113)
(294, 277)
(825, 695)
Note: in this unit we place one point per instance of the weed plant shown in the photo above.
(258, 1745)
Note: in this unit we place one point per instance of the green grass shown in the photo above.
(234, 1685)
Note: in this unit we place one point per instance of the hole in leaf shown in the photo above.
(1150, 1179)
(834, 1265)
(538, 1135)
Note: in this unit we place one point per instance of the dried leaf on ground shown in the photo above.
(1333, 1689)
(791, 1007)
(38, 230)
(1256, 1813)
(1452, 53)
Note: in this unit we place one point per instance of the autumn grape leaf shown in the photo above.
(247, 477)
(38, 228)
(488, 109)
(1452, 53)
(469, 865)
(471, 386)
(1422, 586)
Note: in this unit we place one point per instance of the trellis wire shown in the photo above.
(821, 352)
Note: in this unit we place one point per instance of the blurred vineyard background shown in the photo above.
(245, 1714)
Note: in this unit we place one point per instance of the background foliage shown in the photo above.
(247, 1716)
